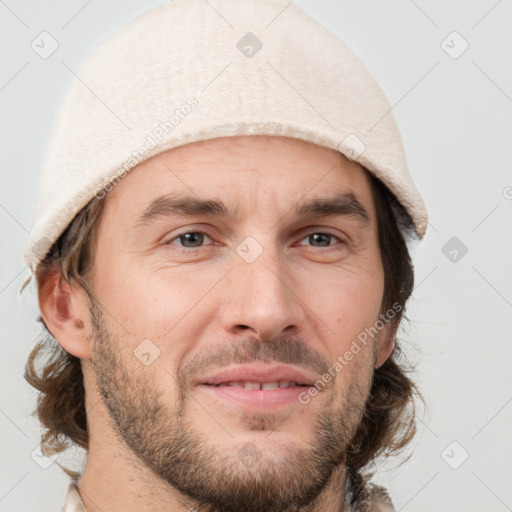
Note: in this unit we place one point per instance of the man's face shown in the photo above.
(200, 312)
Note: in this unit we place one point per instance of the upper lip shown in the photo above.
(260, 373)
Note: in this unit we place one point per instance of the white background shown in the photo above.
(455, 116)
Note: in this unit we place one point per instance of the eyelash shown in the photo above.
(186, 249)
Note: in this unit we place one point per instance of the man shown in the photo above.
(219, 250)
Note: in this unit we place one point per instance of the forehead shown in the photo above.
(247, 171)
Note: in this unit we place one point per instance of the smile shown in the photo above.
(260, 385)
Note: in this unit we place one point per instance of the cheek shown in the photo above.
(348, 300)
(154, 310)
(131, 300)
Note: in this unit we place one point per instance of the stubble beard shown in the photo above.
(210, 479)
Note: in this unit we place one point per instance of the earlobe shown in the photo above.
(64, 310)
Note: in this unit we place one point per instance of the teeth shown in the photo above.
(260, 385)
(235, 384)
(251, 385)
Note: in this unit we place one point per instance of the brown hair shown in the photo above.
(388, 422)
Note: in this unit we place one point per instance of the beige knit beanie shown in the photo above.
(191, 70)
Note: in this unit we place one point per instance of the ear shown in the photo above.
(385, 343)
(65, 311)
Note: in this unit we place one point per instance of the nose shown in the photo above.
(260, 299)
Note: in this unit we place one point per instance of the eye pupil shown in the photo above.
(317, 237)
(193, 237)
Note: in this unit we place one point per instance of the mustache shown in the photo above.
(287, 350)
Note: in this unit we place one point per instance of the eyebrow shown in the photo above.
(184, 205)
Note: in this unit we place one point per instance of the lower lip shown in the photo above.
(256, 398)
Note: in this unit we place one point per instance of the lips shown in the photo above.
(259, 376)
(281, 384)
(257, 387)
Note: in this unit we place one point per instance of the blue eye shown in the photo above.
(196, 239)
(191, 239)
(322, 238)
